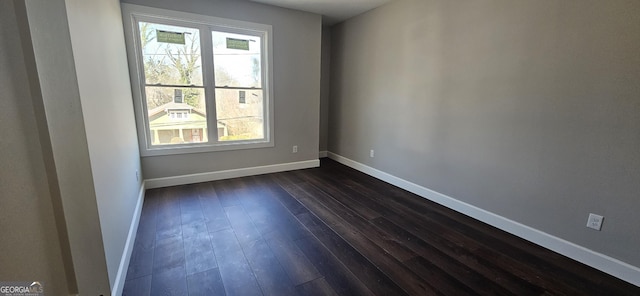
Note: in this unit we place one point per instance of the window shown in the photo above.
(178, 114)
(200, 83)
(243, 97)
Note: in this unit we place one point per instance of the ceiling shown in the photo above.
(333, 11)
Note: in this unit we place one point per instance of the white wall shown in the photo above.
(296, 67)
(526, 109)
(30, 248)
(100, 59)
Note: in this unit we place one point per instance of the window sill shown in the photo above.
(203, 148)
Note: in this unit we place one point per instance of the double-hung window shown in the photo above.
(200, 83)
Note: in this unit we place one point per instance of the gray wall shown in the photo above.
(325, 87)
(527, 109)
(296, 65)
(30, 248)
(65, 132)
(101, 65)
(54, 86)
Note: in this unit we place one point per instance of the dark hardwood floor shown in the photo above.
(335, 231)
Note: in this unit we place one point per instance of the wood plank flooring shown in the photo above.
(335, 231)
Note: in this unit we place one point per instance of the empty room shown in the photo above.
(319, 147)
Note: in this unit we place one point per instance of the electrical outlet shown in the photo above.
(295, 149)
(595, 221)
(372, 153)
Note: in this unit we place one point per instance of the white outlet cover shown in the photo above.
(595, 221)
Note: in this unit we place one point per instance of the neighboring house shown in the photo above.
(177, 122)
(239, 112)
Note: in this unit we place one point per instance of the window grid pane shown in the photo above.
(238, 79)
(240, 121)
(237, 60)
(171, 54)
(176, 115)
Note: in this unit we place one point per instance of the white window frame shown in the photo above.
(132, 14)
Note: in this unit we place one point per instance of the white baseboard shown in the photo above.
(612, 266)
(228, 174)
(118, 284)
(323, 154)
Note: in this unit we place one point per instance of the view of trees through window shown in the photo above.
(236, 60)
(173, 69)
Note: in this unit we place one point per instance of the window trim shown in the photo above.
(132, 14)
